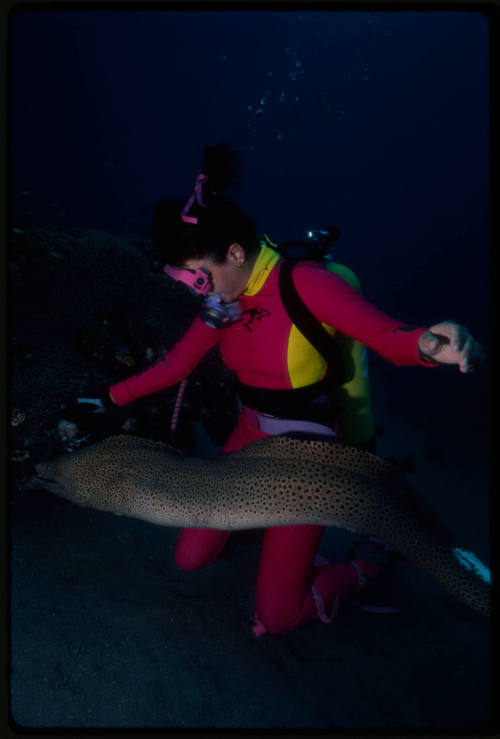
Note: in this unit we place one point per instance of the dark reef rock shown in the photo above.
(88, 309)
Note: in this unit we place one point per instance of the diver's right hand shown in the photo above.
(449, 343)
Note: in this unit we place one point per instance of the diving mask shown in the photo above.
(214, 312)
(196, 279)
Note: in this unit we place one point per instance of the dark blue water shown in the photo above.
(376, 122)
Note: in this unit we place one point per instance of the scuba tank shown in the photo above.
(353, 395)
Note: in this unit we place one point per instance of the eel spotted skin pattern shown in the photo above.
(278, 481)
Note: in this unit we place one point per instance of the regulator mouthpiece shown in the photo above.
(217, 314)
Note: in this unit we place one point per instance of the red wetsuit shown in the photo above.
(266, 351)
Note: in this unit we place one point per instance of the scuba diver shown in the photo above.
(284, 383)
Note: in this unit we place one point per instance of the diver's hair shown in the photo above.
(220, 222)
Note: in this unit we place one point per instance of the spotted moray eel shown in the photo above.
(278, 481)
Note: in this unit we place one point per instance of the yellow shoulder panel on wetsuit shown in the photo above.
(305, 364)
(266, 260)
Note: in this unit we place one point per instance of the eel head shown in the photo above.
(48, 477)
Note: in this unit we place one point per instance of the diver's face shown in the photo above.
(229, 278)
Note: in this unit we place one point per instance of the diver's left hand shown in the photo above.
(449, 343)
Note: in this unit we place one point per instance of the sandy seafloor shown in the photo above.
(107, 632)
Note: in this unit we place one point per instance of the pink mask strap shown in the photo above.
(197, 193)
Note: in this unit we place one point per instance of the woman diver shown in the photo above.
(283, 382)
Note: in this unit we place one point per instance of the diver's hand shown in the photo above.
(449, 343)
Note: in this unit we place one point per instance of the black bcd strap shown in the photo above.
(308, 325)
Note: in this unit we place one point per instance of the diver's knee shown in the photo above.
(199, 548)
(189, 560)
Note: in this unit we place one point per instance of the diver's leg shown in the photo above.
(291, 591)
(197, 548)
(283, 597)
